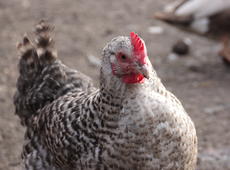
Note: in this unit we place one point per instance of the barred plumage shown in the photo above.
(71, 125)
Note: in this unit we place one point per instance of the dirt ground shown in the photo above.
(200, 80)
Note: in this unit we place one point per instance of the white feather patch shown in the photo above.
(201, 25)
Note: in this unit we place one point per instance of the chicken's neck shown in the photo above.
(114, 90)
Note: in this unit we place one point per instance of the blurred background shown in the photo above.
(199, 78)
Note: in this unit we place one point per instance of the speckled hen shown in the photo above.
(130, 123)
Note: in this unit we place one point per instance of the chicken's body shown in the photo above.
(119, 126)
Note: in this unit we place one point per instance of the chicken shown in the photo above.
(130, 122)
(201, 17)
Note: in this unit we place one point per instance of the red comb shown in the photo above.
(139, 48)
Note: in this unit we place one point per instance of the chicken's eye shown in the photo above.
(123, 57)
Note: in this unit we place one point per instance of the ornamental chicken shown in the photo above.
(130, 123)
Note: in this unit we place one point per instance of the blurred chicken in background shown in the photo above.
(203, 17)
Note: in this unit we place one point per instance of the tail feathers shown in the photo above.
(25, 45)
(28, 64)
(35, 55)
(45, 43)
(43, 78)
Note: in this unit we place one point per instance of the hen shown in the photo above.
(130, 123)
(199, 15)
(205, 17)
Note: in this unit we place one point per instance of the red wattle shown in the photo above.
(133, 78)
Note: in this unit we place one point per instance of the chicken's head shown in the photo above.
(126, 58)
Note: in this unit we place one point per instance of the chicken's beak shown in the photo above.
(144, 70)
